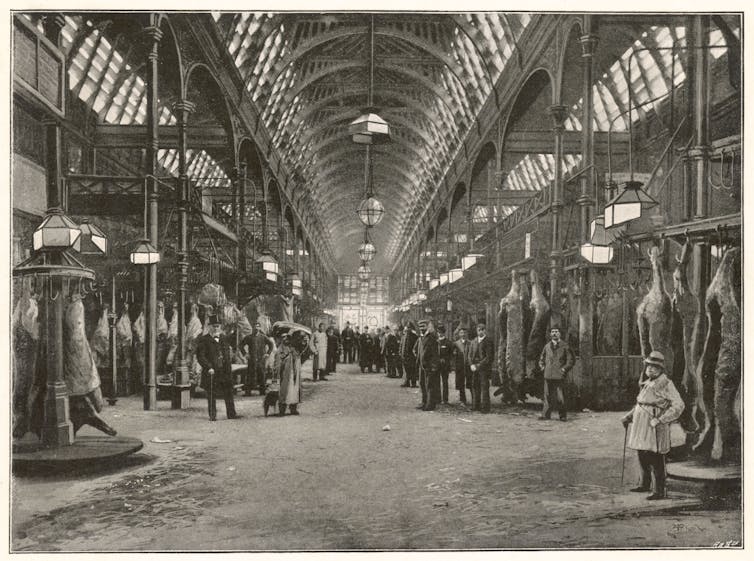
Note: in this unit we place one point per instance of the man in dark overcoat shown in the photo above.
(445, 352)
(347, 336)
(365, 350)
(259, 347)
(213, 355)
(556, 361)
(461, 350)
(481, 356)
(428, 362)
(408, 358)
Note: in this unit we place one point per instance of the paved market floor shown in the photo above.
(333, 478)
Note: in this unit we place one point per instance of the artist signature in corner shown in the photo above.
(729, 543)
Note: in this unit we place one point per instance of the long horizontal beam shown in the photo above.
(135, 136)
(543, 142)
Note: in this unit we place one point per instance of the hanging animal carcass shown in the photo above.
(80, 371)
(654, 315)
(540, 309)
(720, 364)
(515, 367)
(685, 322)
(28, 389)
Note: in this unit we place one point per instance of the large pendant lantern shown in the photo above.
(628, 204)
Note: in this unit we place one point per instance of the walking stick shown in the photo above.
(623, 463)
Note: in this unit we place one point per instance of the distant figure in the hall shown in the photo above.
(556, 361)
(481, 355)
(657, 405)
(318, 346)
(391, 353)
(213, 355)
(427, 363)
(446, 358)
(348, 339)
(408, 357)
(258, 346)
(356, 344)
(398, 359)
(365, 350)
(332, 349)
(461, 364)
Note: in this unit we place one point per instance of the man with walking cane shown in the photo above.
(657, 405)
(213, 355)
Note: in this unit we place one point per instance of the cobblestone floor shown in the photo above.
(332, 478)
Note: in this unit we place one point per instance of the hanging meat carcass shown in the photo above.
(162, 342)
(685, 321)
(193, 332)
(720, 364)
(502, 337)
(80, 371)
(540, 309)
(137, 361)
(212, 295)
(573, 298)
(28, 389)
(124, 346)
(514, 349)
(101, 341)
(172, 337)
(654, 315)
(610, 324)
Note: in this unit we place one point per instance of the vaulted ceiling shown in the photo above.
(309, 75)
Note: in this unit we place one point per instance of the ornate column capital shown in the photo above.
(588, 44)
(184, 106)
(559, 114)
(153, 33)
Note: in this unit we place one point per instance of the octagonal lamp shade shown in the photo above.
(370, 211)
(268, 265)
(145, 254)
(57, 231)
(470, 260)
(597, 254)
(455, 274)
(93, 240)
(443, 278)
(627, 205)
(434, 283)
(369, 128)
(367, 251)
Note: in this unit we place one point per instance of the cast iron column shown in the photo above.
(559, 114)
(181, 386)
(153, 36)
(586, 204)
(698, 155)
(57, 429)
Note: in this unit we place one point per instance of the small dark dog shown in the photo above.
(270, 400)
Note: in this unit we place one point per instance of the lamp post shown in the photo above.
(146, 255)
(53, 261)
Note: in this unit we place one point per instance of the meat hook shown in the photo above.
(722, 183)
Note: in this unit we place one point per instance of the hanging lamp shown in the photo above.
(367, 251)
(628, 204)
(369, 130)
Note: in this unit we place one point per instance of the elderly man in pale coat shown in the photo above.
(318, 347)
(657, 405)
